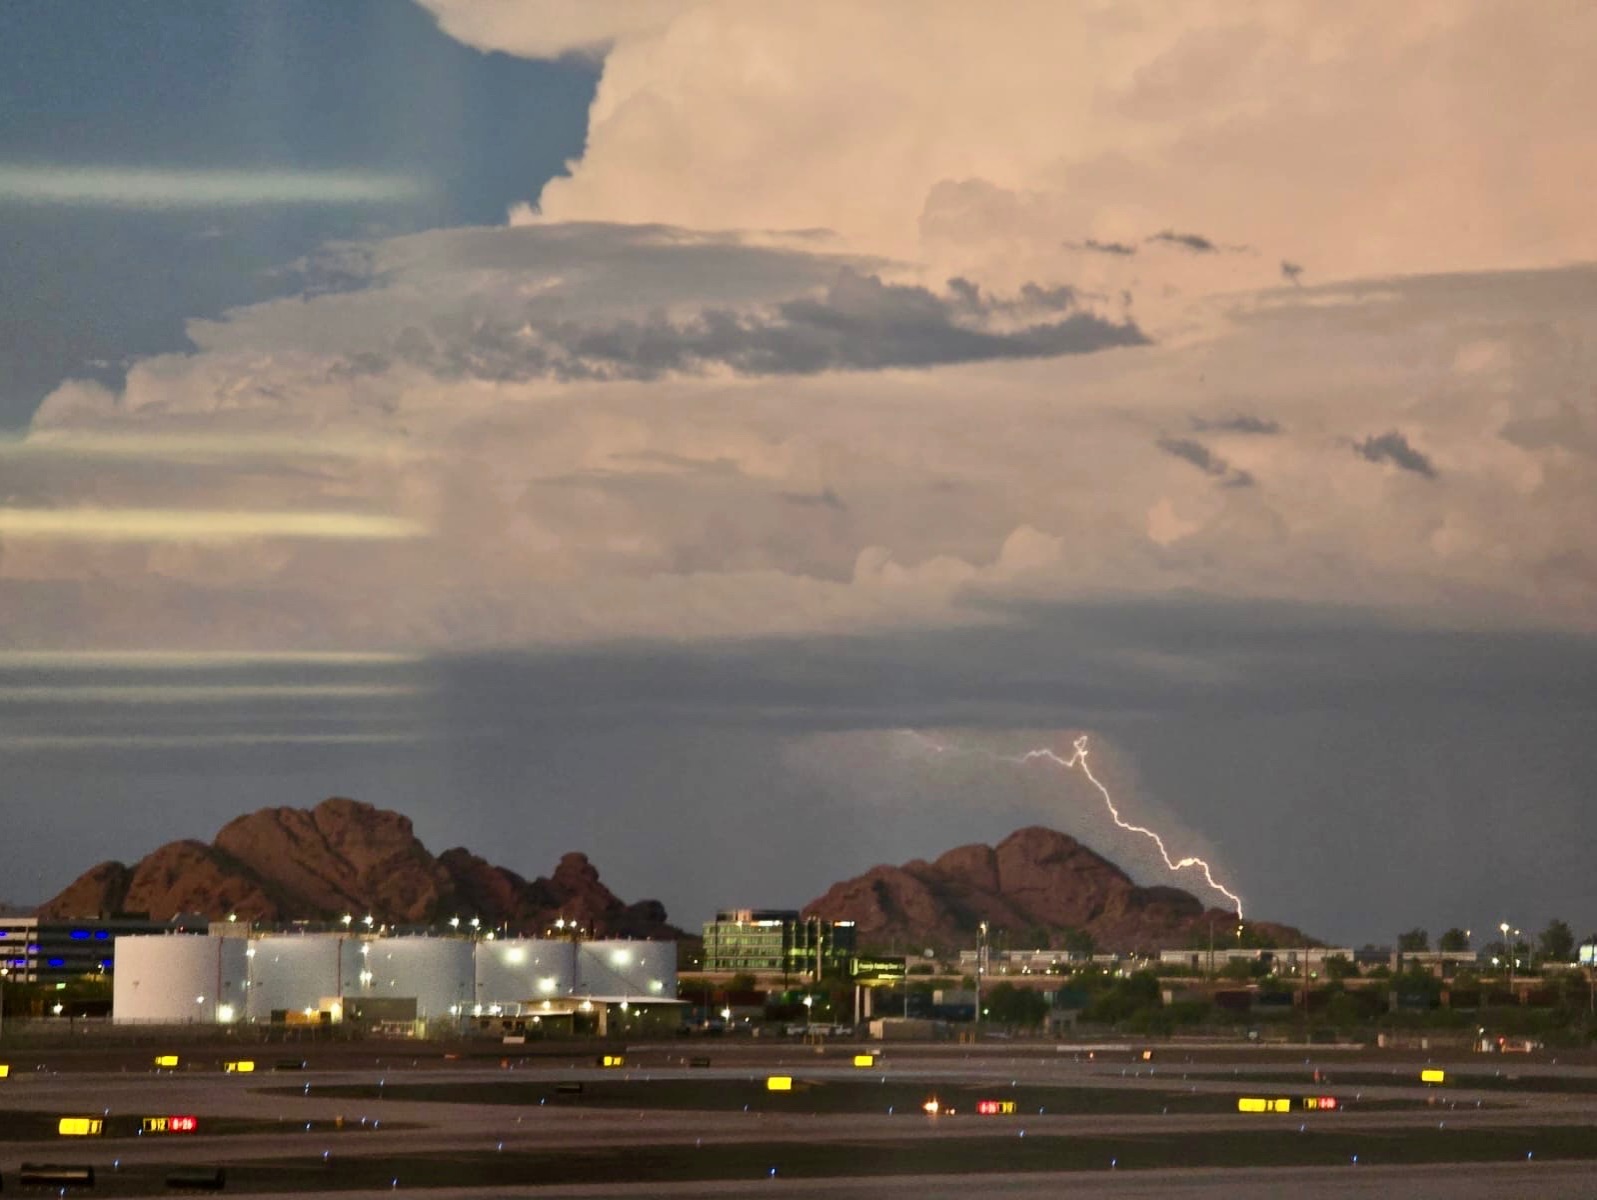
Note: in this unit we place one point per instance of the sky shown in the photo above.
(651, 429)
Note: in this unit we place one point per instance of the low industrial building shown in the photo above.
(324, 978)
(1290, 960)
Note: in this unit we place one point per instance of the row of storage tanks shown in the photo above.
(183, 978)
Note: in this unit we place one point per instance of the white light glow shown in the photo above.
(148, 187)
(182, 525)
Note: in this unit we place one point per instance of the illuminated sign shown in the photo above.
(1261, 1104)
(1147, 1056)
(1430, 1075)
(995, 1108)
(167, 1062)
(612, 1060)
(865, 969)
(170, 1124)
(779, 1083)
(1319, 1103)
(865, 1060)
(5, 1070)
(243, 1067)
(79, 1127)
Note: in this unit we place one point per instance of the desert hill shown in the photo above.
(1035, 884)
(282, 864)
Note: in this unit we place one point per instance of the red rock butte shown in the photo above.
(1036, 879)
(286, 864)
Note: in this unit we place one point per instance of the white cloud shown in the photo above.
(1352, 138)
(551, 28)
(706, 505)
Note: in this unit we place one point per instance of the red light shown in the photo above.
(182, 1124)
(1321, 1103)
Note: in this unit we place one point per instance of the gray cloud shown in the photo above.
(1120, 249)
(1240, 423)
(1195, 242)
(1394, 448)
(1205, 460)
(858, 322)
(1291, 271)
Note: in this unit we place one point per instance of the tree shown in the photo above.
(1079, 941)
(1454, 941)
(1339, 966)
(1415, 941)
(1014, 1006)
(1558, 942)
(1238, 969)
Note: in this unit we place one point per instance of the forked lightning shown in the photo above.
(1079, 759)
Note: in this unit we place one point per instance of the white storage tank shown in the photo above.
(297, 971)
(626, 968)
(436, 971)
(518, 970)
(178, 979)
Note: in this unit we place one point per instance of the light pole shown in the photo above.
(981, 968)
(1508, 949)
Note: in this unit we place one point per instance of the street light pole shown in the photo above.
(981, 968)
(1508, 948)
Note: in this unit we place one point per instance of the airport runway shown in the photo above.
(472, 1132)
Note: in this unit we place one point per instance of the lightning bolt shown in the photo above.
(1079, 759)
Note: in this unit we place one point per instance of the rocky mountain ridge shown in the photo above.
(1036, 888)
(343, 856)
(1035, 885)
